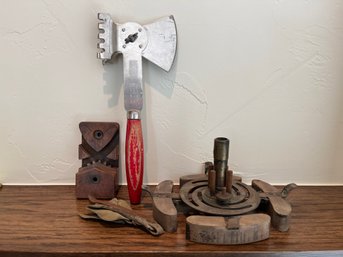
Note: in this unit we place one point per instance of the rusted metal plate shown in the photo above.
(196, 195)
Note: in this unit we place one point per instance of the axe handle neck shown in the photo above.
(133, 87)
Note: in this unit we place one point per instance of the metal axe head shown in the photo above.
(156, 41)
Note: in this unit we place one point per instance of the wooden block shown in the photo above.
(228, 231)
(100, 143)
(97, 180)
(164, 211)
(278, 207)
(99, 152)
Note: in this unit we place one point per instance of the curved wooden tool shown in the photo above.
(228, 231)
(278, 208)
(164, 211)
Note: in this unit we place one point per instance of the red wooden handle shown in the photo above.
(134, 159)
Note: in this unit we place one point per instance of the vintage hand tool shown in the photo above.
(99, 152)
(218, 192)
(157, 43)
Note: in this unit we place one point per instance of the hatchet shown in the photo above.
(155, 42)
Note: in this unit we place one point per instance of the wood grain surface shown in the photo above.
(44, 221)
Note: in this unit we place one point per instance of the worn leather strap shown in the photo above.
(134, 218)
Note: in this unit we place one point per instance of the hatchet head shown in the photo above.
(156, 41)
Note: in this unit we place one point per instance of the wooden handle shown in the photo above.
(134, 159)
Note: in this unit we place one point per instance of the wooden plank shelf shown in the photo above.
(44, 221)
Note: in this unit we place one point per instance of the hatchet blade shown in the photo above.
(161, 46)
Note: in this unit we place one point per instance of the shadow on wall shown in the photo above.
(159, 79)
(113, 77)
(153, 76)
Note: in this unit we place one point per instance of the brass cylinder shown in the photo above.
(229, 175)
(221, 156)
(208, 167)
(212, 181)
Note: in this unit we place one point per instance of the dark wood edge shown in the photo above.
(338, 253)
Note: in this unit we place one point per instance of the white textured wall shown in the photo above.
(267, 74)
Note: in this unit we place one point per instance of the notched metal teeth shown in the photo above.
(102, 36)
(101, 55)
(105, 36)
(101, 46)
(103, 16)
(101, 26)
